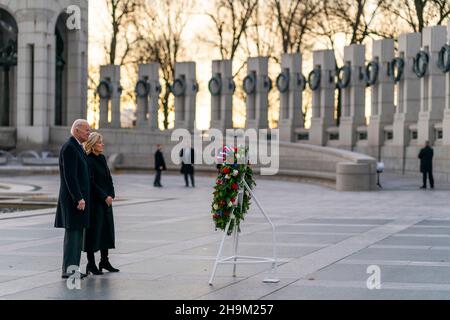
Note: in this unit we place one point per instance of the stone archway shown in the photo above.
(8, 63)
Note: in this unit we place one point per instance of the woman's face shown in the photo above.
(98, 147)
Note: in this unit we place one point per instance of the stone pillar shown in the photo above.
(33, 65)
(446, 122)
(382, 110)
(432, 86)
(77, 68)
(353, 97)
(258, 98)
(147, 106)
(408, 94)
(185, 90)
(323, 98)
(291, 116)
(111, 75)
(222, 88)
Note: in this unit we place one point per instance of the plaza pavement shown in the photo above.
(166, 243)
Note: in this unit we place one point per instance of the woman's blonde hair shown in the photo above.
(94, 137)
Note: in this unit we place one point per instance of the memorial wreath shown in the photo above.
(230, 197)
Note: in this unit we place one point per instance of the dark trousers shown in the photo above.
(157, 181)
(191, 175)
(73, 242)
(91, 256)
(428, 173)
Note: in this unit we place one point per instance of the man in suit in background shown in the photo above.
(187, 164)
(426, 165)
(74, 201)
(160, 165)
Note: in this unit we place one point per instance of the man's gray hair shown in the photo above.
(76, 124)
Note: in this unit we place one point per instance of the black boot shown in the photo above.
(104, 262)
(91, 267)
(106, 265)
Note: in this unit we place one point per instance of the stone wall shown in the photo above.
(135, 149)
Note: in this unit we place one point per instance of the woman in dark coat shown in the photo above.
(100, 234)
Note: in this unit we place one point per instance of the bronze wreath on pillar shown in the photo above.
(267, 83)
(282, 81)
(301, 81)
(420, 63)
(105, 89)
(231, 85)
(178, 87)
(249, 83)
(343, 75)
(142, 88)
(399, 64)
(371, 72)
(444, 58)
(215, 86)
(314, 78)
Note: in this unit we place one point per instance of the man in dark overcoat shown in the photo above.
(160, 165)
(74, 199)
(187, 165)
(426, 165)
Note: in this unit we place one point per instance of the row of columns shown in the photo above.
(422, 104)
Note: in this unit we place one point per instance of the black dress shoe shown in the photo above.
(92, 268)
(422, 187)
(107, 266)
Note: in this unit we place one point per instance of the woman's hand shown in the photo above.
(109, 201)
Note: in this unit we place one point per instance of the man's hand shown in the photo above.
(160, 168)
(109, 201)
(81, 205)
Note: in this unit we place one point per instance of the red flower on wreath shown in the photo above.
(234, 186)
(226, 170)
(219, 182)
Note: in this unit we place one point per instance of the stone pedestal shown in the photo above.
(147, 106)
(323, 98)
(382, 110)
(111, 105)
(446, 121)
(432, 86)
(258, 100)
(352, 97)
(185, 103)
(408, 91)
(291, 116)
(223, 86)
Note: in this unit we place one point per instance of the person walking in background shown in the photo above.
(160, 165)
(100, 234)
(74, 201)
(187, 164)
(426, 165)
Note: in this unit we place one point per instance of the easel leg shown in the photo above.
(274, 269)
(235, 245)
(219, 253)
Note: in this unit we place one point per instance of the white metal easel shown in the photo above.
(235, 258)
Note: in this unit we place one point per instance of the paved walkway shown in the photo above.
(166, 243)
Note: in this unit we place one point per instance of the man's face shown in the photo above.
(83, 132)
